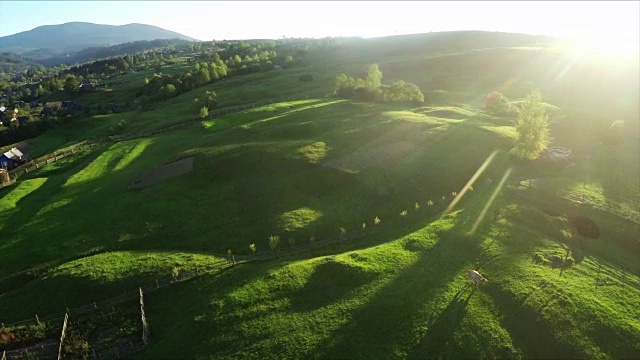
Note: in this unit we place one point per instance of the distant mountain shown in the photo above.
(75, 36)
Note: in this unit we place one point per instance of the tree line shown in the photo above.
(370, 88)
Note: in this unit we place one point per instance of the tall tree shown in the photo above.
(374, 76)
(532, 127)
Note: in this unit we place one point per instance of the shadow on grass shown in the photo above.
(528, 330)
(435, 343)
(385, 324)
(329, 282)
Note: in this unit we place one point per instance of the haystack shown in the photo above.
(4, 176)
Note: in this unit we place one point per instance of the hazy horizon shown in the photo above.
(611, 24)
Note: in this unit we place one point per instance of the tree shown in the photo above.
(374, 76)
(532, 127)
(496, 104)
(71, 84)
(274, 241)
(210, 99)
(204, 112)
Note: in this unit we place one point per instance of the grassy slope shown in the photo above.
(398, 294)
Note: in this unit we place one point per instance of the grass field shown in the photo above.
(306, 169)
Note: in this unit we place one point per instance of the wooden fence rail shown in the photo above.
(70, 150)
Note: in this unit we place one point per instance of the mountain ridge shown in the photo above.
(78, 35)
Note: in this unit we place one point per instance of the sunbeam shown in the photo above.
(491, 199)
(471, 181)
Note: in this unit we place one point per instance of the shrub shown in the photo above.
(175, 272)
(274, 241)
(497, 104)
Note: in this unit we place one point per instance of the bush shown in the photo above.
(497, 104)
(305, 77)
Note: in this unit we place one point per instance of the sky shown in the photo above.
(589, 21)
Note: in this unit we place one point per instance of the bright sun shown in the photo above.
(608, 45)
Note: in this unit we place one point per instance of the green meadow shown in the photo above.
(306, 170)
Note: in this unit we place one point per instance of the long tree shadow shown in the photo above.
(375, 332)
(529, 332)
(435, 343)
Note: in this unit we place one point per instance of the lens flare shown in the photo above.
(491, 199)
(473, 179)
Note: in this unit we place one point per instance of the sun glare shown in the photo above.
(608, 45)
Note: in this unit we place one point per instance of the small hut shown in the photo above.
(558, 153)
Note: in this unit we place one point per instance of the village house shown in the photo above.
(87, 86)
(13, 158)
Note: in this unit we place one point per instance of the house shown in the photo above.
(13, 158)
(70, 105)
(558, 153)
(56, 105)
(87, 86)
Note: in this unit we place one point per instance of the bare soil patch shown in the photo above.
(585, 226)
(162, 173)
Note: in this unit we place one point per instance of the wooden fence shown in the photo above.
(73, 149)
(127, 347)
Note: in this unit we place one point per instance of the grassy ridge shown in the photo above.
(308, 168)
(404, 298)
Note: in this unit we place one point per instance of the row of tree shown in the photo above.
(164, 86)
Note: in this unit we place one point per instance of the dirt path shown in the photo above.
(162, 173)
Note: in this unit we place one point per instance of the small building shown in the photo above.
(13, 158)
(87, 86)
(558, 153)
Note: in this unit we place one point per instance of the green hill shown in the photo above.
(79, 35)
(317, 171)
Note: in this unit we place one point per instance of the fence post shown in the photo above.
(64, 329)
(145, 325)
